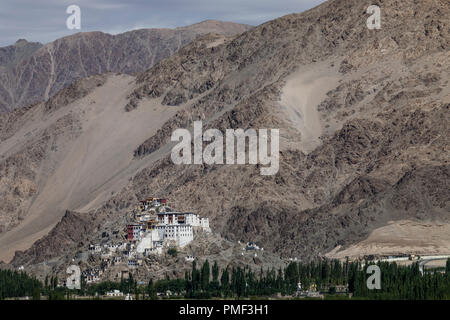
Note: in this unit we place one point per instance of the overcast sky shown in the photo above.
(45, 20)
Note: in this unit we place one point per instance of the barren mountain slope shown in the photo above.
(37, 76)
(378, 150)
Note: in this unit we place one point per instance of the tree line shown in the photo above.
(325, 276)
(329, 277)
(18, 284)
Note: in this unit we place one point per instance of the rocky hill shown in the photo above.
(363, 118)
(32, 73)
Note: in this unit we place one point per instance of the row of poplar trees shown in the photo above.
(397, 282)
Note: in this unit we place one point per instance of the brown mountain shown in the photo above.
(32, 73)
(363, 117)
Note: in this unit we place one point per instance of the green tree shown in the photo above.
(172, 252)
(225, 282)
(205, 276)
(151, 291)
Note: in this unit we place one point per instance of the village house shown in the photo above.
(91, 275)
(95, 249)
(132, 263)
(106, 261)
(148, 203)
(113, 247)
(114, 293)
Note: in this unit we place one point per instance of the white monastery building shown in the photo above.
(164, 228)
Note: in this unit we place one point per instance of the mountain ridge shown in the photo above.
(43, 70)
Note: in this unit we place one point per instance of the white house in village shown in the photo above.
(132, 263)
(92, 275)
(95, 249)
(113, 247)
(114, 293)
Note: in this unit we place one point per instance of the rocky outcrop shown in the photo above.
(72, 228)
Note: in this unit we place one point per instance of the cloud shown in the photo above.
(45, 20)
